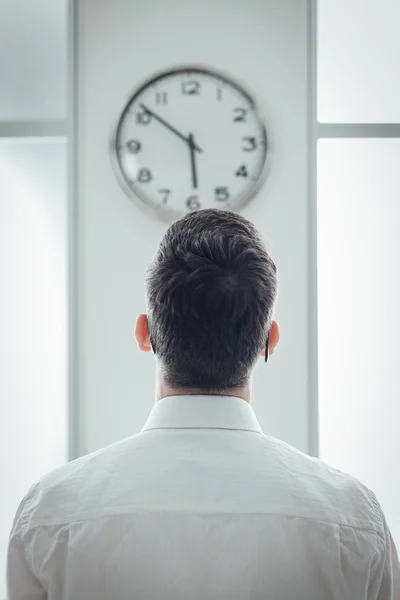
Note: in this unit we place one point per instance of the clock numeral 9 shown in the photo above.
(190, 88)
(143, 118)
(250, 145)
(242, 171)
(134, 146)
(165, 195)
(221, 194)
(144, 176)
(240, 114)
(193, 203)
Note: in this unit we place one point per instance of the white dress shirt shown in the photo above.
(200, 505)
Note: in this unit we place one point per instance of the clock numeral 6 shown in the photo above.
(134, 146)
(242, 171)
(193, 203)
(165, 195)
(221, 194)
(143, 118)
(144, 176)
(190, 88)
(250, 145)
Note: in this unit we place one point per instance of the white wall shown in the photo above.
(33, 55)
(33, 223)
(359, 244)
(358, 61)
(263, 45)
(33, 357)
(359, 323)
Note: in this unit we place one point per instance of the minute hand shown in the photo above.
(171, 128)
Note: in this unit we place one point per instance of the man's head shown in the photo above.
(211, 290)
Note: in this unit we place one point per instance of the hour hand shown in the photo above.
(171, 128)
(193, 160)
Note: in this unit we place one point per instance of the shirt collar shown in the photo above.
(210, 412)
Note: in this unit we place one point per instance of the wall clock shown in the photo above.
(190, 138)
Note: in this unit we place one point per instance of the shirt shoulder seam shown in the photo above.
(92, 517)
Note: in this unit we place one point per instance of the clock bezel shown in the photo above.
(145, 203)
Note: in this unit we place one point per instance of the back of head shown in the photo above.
(211, 289)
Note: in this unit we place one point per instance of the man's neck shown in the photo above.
(164, 391)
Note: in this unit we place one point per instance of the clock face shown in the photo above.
(190, 139)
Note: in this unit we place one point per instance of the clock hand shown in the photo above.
(193, 159)
(170, 127)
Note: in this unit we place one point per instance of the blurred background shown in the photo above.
(74, 248)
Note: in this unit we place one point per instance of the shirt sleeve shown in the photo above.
(22, 584)
(385, 581)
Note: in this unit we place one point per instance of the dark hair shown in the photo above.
(211, 290)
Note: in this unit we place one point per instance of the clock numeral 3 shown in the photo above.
(221, 194)
(250, 145)
(242, 171)
(165, 195)
(193, 203)
(240, 114)
(161, 98)
(143, 118)
(190, 88)
(144, 176)
(134, 146)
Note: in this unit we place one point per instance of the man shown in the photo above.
(201, 504)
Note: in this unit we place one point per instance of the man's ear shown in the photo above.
(274, 336)
(142, 334)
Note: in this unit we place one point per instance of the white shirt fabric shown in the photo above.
(201, 505)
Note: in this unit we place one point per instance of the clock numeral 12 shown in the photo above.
(190, 88)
